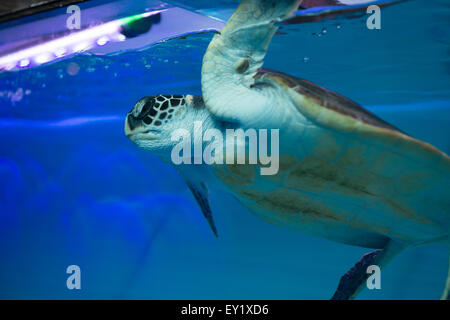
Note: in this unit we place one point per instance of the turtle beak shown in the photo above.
(134, 126)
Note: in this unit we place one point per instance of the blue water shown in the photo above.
(75, 190)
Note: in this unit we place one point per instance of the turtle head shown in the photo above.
(153, 119)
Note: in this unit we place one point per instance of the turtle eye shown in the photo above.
(148, 108)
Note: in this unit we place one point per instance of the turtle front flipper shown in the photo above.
(234, 56)
(200, 192)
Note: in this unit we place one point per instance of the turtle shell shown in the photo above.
(358, 180)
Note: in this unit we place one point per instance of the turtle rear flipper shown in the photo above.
(446, 292)
(355, 279)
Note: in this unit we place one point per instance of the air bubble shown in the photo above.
(73, 68)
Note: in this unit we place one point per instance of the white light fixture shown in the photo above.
(24, 63)
(79, 41)
(81, 46)
(103, 40)
(60, 52)
(43, 58)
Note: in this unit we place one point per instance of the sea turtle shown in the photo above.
(344, 174)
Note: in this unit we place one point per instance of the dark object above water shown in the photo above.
(141, 26)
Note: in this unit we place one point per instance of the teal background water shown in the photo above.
(75, 190)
